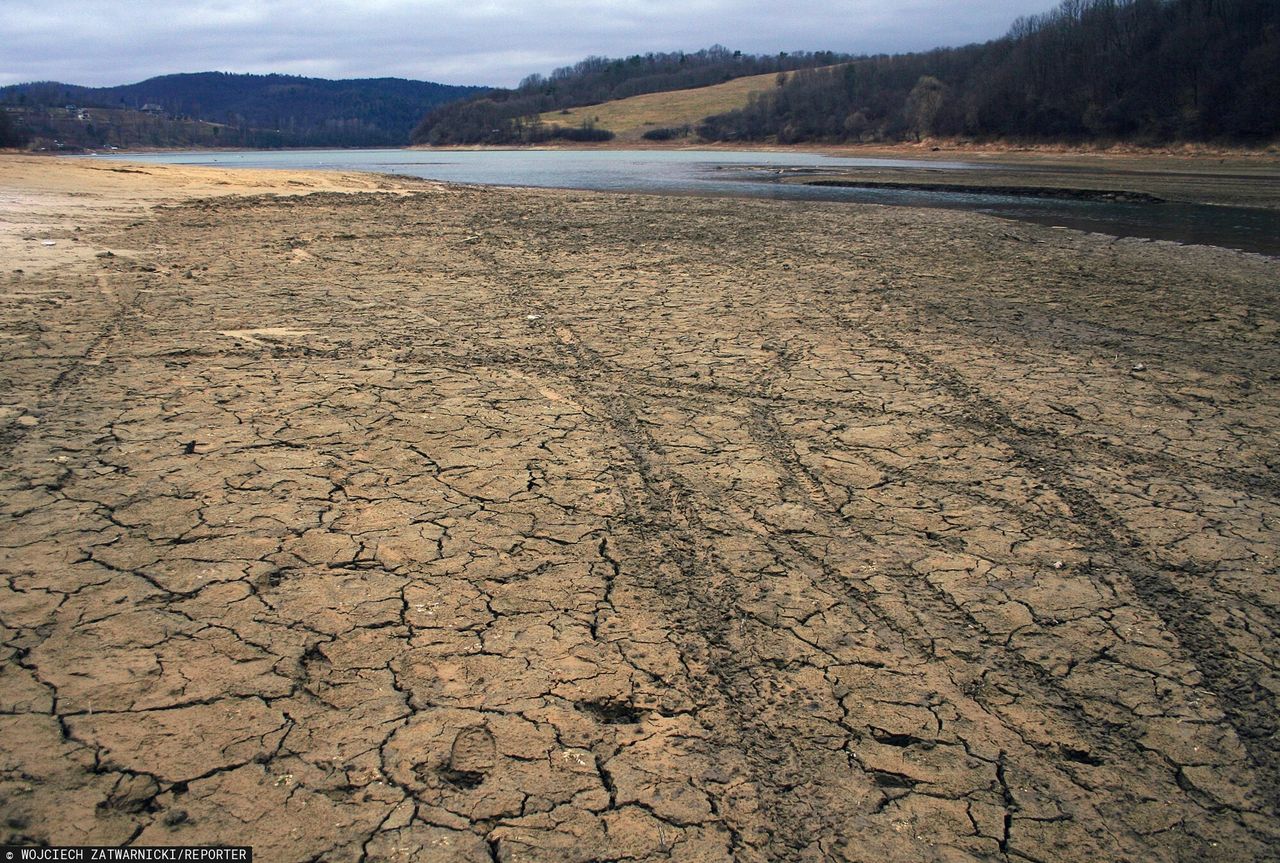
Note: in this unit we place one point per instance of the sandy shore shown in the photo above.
(360, 519)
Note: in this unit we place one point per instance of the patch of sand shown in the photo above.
(45, 198)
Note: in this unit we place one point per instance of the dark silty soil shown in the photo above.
(471, 525)
(1237, 181)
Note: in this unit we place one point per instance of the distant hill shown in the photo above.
(512, 116)
(246, 110)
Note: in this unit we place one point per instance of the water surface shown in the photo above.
(749, 174)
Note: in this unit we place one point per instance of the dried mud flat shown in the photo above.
(469, 524)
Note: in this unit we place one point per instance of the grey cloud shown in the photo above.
(484, 42)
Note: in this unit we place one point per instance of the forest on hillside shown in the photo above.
(509, 116)
(1150, 71)
(1146, 71)
(60, 129)
(243, 110)
(12, 132)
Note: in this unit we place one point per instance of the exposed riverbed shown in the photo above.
(361, 518)
(1177, 208)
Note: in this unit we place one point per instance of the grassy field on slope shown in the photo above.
(630, 118)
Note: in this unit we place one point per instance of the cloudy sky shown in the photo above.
(102, 42)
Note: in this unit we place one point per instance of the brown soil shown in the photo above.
(1235, 182)
(445, 523)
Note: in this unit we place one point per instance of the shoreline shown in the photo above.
(924, 150)
(1252, 182)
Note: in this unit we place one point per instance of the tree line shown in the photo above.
(49, 128)
(1149, 71)
(507, 116)
(251, 110)
(12, 132)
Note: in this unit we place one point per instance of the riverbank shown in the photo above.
(1228, 180)
(929, 148)
(1238, 178)
(1190, 174)
(353, 517)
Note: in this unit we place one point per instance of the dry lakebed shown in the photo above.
(364, 518)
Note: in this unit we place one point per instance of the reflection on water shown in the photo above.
(755, 174)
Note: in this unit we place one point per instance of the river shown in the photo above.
(749, 174)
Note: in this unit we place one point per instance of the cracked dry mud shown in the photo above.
(468, 525)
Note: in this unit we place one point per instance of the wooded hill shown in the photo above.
(12, 134)
(1150, 71)
(511, 116)
(232, 110)
(1146, 71)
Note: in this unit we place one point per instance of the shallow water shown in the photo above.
(746, 174)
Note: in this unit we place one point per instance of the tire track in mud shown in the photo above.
(662, 515)
(958, 632)
(668, 511)
(678, 524)
(1231, 677)
(959, 625)
(667, 508)
(1114, 740)
(112, 327)
(666, 524)
(943, 318)
(590, 372)
(662, 523)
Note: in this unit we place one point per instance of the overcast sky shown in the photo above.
(103, 42)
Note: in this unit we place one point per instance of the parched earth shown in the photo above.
(469, 525)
